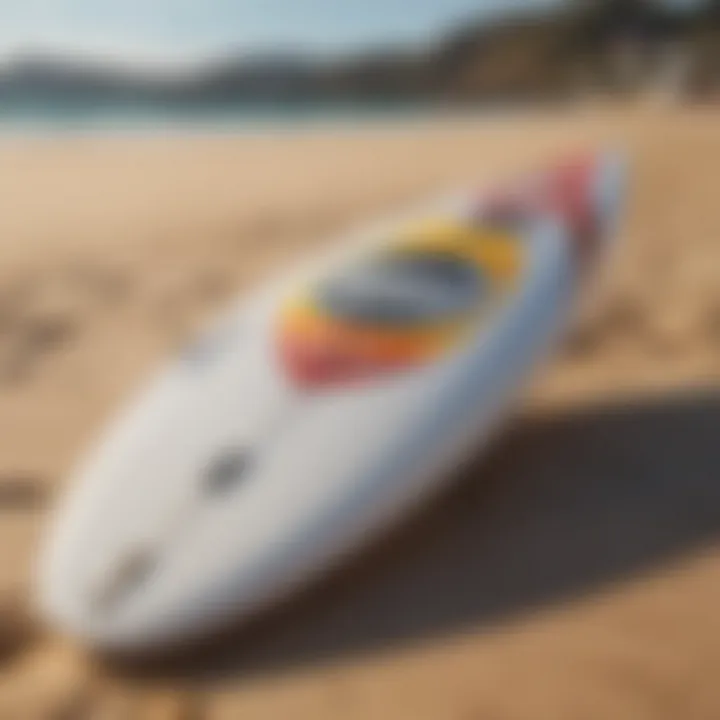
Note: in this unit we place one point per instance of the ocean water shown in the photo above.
(53, 118)
(43, 118)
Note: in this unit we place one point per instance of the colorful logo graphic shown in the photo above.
(400, 307)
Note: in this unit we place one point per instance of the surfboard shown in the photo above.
(320, 410)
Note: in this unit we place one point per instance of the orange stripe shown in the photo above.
(306, 331)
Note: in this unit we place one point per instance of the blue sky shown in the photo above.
(176, 30)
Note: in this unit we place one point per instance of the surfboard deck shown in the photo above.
(315, 413)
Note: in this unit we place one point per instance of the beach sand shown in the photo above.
(573, 573)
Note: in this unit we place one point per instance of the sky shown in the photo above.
(173, 31)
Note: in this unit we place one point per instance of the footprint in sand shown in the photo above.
(619, 318)
(45, 311)
(30, 340)
(18, 630)
(21, 492)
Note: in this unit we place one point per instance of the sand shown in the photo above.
(574, 573)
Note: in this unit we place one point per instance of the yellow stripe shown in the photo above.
(498, 255)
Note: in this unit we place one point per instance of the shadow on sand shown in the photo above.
(562, 505)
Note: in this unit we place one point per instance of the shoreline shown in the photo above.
(341, 119)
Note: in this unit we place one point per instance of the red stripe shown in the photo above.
(323, 365)
(566, 190)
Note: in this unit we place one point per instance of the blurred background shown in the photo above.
(69, 62)
(157, 159)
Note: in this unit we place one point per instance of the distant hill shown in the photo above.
(540, 56)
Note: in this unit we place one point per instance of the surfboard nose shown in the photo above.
(587, 193)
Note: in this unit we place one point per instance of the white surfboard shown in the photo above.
(318, 411)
